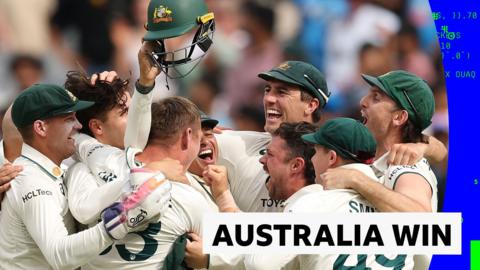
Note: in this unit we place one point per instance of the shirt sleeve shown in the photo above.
(43, 221)
(235, 149)
(138, 121)
(86, 198)
(231, 143)
(421, 168)
(107, 162)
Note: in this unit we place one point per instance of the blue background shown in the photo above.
(464, 144)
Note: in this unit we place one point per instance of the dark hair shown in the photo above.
(412, 134)
(170, 117)
(105, 95)
(292, 133)
(26, 132)
(307, 97)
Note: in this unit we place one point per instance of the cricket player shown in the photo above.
(36, 224)
(172, 129)
(343, 143)
(207, 155)
(288, 162)
(294, 91)
(175, 133)
(398, 108)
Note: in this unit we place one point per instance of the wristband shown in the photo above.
(143, 89)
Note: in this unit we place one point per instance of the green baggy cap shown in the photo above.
(409, 92)
(302, 74)
(348, 137)
(172, 18)
(42, 101)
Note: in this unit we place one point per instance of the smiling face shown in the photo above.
(208, 153)
(59, 135)
(282, 103)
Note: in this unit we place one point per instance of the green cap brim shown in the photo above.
(375, 82)
(275, 75)
(80, 105)
(310, 138)
(170, 33)
(320, 140)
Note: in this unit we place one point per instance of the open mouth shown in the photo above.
(273, 114)
(206, 155)
(364, 118)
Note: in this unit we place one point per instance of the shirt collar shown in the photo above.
(380, 165)
(303, 191)
(43, 162)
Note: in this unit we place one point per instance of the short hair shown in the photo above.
(106, 95)
(292, 133)
(26, 132)
(170, 116)
(307, 97)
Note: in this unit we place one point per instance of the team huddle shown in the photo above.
(108, 180)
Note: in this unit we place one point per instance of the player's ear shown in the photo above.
(298, 164)
(40, 128)
(95, 126)
(187, 136)
(312, 105)
(400, 117)
(332, 157)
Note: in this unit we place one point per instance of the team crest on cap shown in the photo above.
(284, 66)
(72, 96)
(162, 14)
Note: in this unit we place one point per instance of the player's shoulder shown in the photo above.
(31, 184)
(364, 168)
(183, 192)
(31, 174)
(422, 168)
(248, 141)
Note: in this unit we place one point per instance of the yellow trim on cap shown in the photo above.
(206, 18)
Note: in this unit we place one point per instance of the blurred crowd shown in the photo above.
(40, 40)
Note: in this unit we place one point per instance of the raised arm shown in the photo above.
(139, 114)
(12, 140)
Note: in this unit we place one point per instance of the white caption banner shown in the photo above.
(313, 233)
